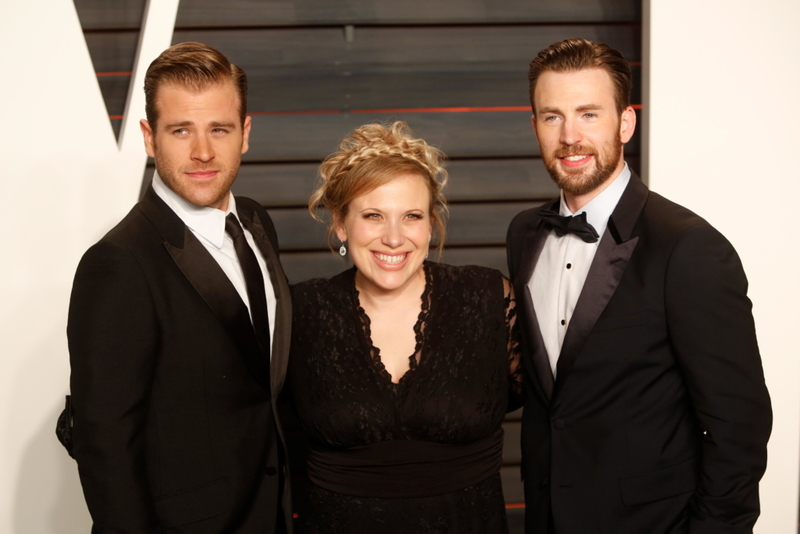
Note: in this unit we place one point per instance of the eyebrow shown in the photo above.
(178, 124)
(585, 107)
(213, 124)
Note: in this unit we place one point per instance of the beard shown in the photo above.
(582, 181)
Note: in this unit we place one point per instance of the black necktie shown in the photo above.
(565, 224)
(254, 280)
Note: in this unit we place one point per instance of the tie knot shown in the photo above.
(565, 224)
(232, 226)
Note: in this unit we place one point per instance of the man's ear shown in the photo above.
(147, 133)
(246, 133)
(627, 124)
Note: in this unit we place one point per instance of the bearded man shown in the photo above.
(646, 409)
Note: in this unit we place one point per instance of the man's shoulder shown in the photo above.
(664, 216)
(138, 233)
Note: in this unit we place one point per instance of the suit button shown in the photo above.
(544, 482)
(271, 471)
(559, 424)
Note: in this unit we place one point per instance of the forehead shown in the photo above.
(182, 102)
(572, 89)
(406, 187)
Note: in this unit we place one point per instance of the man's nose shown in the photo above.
(202, 150)
(570, 133)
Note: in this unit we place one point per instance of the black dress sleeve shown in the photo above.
(515, 374)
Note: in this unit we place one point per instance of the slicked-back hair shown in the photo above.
(195, 66)
(573, 55)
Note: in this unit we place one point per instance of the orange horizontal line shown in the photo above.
(113, 73)
(390, 110)
(300, 112)
(115, 117)
(442, 110)
(515, 505)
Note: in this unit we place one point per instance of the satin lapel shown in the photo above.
(213, 285)
(208, 279)
(613, 254)
(532, 245)
(282, 335)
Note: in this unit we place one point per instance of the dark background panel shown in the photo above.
(317, 69)
(102, 14)
(450, 46)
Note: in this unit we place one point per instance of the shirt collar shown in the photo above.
(600, 208)
(208, 222)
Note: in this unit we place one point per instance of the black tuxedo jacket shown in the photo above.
(175, 428)
(659, 416)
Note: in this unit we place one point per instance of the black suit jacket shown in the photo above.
(659, 417)
(175, 428)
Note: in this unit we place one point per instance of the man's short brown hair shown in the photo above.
(578, 54)
(195, 66)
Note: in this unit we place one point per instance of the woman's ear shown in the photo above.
(340, 230)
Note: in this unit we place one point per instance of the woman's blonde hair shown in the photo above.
(371, 156)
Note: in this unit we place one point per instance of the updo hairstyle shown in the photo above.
(371, 156)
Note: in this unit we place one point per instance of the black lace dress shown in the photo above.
(423, 455)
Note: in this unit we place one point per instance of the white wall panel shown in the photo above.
(723, 116)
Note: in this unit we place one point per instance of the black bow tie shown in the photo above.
(577, 225)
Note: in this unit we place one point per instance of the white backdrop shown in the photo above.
(723, 76)
(67, 182)
(724, 116)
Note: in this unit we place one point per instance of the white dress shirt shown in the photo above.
(208, 225)
(560, 272)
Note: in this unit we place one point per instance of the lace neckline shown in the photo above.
(419, 328)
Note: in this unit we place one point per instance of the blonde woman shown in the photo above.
(401, 369)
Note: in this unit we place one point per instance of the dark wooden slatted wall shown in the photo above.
(455, 70)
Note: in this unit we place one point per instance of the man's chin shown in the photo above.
(575, 183)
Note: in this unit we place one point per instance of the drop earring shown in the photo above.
(342, 250)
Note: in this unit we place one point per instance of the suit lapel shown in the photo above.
(532, 245)
(209, 280)
(608, 266)
(281, 337)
